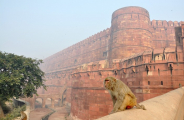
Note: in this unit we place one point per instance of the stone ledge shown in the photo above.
(169, 106)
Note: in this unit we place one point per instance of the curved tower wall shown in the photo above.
(130, 32)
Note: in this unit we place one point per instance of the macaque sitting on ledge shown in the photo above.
(121, 95)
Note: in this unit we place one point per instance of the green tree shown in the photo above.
(19, 76)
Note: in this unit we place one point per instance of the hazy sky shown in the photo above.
(40, 28)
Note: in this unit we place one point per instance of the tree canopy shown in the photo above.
(19, 76)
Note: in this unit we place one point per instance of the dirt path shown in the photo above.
(38, 113)
(60, 114)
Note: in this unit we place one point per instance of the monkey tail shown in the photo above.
(140, 107)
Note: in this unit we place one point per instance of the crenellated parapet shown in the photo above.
(161, 55)
(163, 33)
(165, 24)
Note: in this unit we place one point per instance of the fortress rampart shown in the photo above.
(146, 55)
(91, 49)
(148, 74)
(131, 32)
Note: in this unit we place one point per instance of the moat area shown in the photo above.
(61, 113)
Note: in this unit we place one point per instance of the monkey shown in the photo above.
(121, 95)
(23, 116)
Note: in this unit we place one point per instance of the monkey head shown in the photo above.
(110, 83)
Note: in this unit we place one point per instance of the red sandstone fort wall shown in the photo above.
(91, 49)
(163, 33)
(136, 49)
(148, 74)
(131, 32)
(153, 73)
(89, 98)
